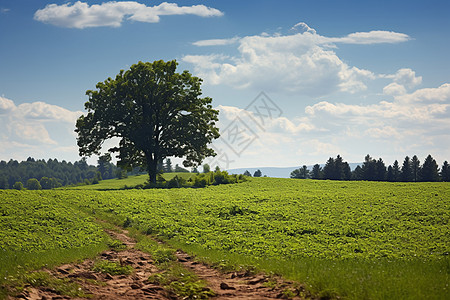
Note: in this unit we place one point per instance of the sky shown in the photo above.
(296, 82)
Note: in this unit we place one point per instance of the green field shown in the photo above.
(371, 240)
(132, 181)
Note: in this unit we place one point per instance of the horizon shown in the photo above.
(301, 82)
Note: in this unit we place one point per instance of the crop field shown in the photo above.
(37, 230)
(371, 240)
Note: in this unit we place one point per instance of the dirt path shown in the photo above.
(136, 286)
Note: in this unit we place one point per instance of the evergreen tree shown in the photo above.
(338, 172)
(430, 170)
(369, 168)
(247, 173)
(445, 172)
(396, 172)
(357, 173)
(168, 166)
(406, 174)
(415, 168)
(257, 173)
(316, 172)
(380, 170)
(346, 171)
(390, 174)
(329, 169)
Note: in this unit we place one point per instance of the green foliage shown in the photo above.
(361, 240)
(51, 173)
(181, 282)
(302, 173)
(33, 184)
(33, 221)
(155, 112)
(116, 245)
(18, 186)
(44, 279)
(112, 268)
(387, 236)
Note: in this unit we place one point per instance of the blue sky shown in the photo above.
(346, 77)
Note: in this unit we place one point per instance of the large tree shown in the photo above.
(155, 112)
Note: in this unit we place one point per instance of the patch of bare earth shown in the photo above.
(236, 285)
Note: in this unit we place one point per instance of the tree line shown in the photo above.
(375, 170)
(40, 174)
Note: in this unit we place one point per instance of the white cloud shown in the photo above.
(43, 111)
(386, 132)
(275, 125)
(82, 15)
(372, 37)
(303, 27)
(303, 62)
(216, 42)
(394, 89)
(35, 129)
(6, 105)
(426, 110)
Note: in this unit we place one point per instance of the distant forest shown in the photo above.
(41, 174)
(375, 170)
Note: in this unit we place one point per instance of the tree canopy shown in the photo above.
(155, 112)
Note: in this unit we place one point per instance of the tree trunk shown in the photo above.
(152, 164)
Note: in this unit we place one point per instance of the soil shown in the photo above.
(135, 286)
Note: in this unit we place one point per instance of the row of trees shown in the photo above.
(257, 173)
(375, 170)
(41, 174)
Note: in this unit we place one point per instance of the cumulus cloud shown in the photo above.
(82, 15)
(300, 62)
(6, 105)
(427, 109)
(303, 27)
(28, 126)
(407, 77)
(274, 124)
(394, 89)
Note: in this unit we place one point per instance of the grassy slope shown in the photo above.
(131, 181)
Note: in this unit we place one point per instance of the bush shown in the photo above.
(18, 186)
(33, 184)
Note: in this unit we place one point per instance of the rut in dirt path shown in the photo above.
(136, 285)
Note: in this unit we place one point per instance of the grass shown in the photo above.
(358, 240)
(111, 268)
(129, 182)
(16, 269)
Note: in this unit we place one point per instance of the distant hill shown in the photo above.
(279, 172)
